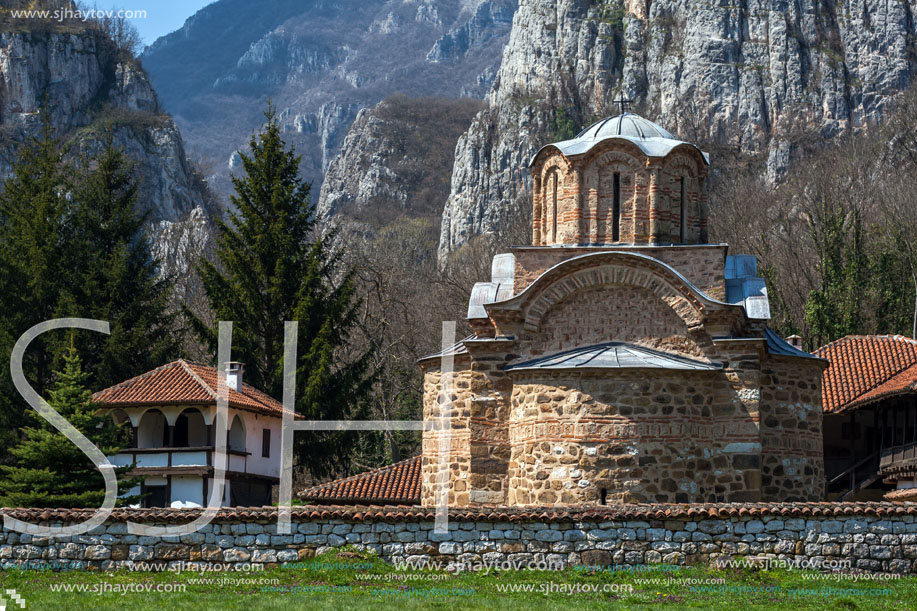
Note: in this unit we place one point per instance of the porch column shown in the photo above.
(653, 204)
(852, 437)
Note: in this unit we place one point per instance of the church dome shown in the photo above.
(651, 138)
(627, 124)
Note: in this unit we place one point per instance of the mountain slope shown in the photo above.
(319, 63)
(93, 89)
(395, 161)
(754, 74)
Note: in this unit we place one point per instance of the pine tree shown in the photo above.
(49, 470)
(274, 267)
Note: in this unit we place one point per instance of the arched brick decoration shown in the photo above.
(613, 268)
(546, 215)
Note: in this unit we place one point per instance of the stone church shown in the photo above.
(622, 358)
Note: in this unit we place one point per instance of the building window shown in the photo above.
(616, 209)
(603, 496)
(554, 207)
(684, 211)
(266, 443)
(154, 496)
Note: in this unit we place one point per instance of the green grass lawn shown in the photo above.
(362, 581)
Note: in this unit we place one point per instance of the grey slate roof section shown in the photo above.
(454, 350)
(614, 355)
(649, 137)
(626, 124)
(780, 347)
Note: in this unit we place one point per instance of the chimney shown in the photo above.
(234, 371)
(795, 341)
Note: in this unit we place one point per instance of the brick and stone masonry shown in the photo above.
(744, 425)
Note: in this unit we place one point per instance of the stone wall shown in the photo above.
(670, 436)
(871, 536)
(792, 458)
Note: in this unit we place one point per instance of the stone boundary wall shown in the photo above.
(871, 536)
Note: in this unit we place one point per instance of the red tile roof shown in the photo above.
(397, 484)
(183, 383)
(866, 368)
(364, 513)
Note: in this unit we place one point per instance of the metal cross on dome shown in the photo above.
(624, 103)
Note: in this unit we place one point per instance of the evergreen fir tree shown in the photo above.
(274, 267)
(72, 245)
(116, 277)
(34, 213)
(49, 470)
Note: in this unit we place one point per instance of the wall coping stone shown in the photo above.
(358, 513)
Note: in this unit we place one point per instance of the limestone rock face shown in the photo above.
(393, 161)
(93, 89)
(746, 73)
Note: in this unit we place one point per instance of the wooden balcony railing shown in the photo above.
(164, 458)
(897, 454)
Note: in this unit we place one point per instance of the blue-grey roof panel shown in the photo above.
(780, 347)
(615, 355)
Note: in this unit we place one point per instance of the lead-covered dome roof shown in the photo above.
(653, 139)
(627, 124)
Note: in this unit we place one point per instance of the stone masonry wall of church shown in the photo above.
(792, 460)
(478, 422)
(573, 201)
(666, 437)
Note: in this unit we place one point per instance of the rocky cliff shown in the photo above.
(320, 63)
(754, 74)
(395, 161)
(92, 89)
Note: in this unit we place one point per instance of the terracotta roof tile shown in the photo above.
(183, 383)
(866, 368)
(396, 484)
(377, 513)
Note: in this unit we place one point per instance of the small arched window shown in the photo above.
(603, 496)
(616, 208)
(554, 207)
(683, 202)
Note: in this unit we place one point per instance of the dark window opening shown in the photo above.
(684, 212)
(154, 496)
(249, 494)
(180, 435)
(616, 209)
(266, 443)
(603, 496)
(554, 209)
